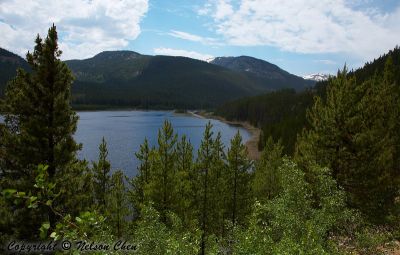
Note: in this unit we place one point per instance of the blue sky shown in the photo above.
(301, 37)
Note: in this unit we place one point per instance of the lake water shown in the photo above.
(125, 131)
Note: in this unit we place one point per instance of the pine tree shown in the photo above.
(39, 122)
(204, 163)
(185, 190)
(139, 182)
(239, 180)
(101, 174)
(354, 133)
(117, 204)
(218, 176)
(161, 187)
(143, 156)
(266, 181)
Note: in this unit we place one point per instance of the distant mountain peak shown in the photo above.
(119, 54)
(209, 60)
(246, 64)
(262, 71)
(317, 77)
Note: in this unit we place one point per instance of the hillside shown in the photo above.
(282, 114)
(268, 75)
(130, 79)
(9, 62)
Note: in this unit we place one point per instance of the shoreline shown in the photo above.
(251, 144)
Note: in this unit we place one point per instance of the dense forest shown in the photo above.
(282, 114)
(338, 194)
(127, 79)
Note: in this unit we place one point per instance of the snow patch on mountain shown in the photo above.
(317, 77)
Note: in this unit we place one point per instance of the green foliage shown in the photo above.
(354, 132)
(139, 183)
(266, 182)
(370, 241)
(87, 226)
(38, 126)
(238, 180)
(204, 162)
(101, 176)
(117, 204)
(185, 185)
(38, 116)
(290, 223)
(163, 174)
(280, 114)
(153, 237)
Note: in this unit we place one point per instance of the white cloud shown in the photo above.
(223, 9)
(184, 53)
(325, 61)
(311, 26)
(193, 37)
(85, 27)
(185, 36)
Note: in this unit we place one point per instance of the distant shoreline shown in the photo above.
(251, 144)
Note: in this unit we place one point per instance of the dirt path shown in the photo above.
(251, 144)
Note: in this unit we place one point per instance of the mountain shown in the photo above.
(282, 114)
(268, 75)
(130, 79)
(316, 77)
(9, 62)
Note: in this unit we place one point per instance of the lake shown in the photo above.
(125, 131)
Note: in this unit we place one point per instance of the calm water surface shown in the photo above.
(125, 131)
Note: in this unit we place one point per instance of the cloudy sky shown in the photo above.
(301, 36)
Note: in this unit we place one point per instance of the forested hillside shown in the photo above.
(338, 194)
(282, 114)
(9, 63)
(269, 74)
(129, 79)
(133, 80)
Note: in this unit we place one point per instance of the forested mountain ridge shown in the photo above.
(271, 75)
(130, 79)
(9, 63)
(282, 114)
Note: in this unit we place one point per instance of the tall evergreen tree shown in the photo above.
(204, 163)
(117, 204)
(218, 177)
(185, 190)
(161, 189)
(239, 180)
(143, 156)
(101, 172)
(139, 182)
(39, 122)
(38, 117)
